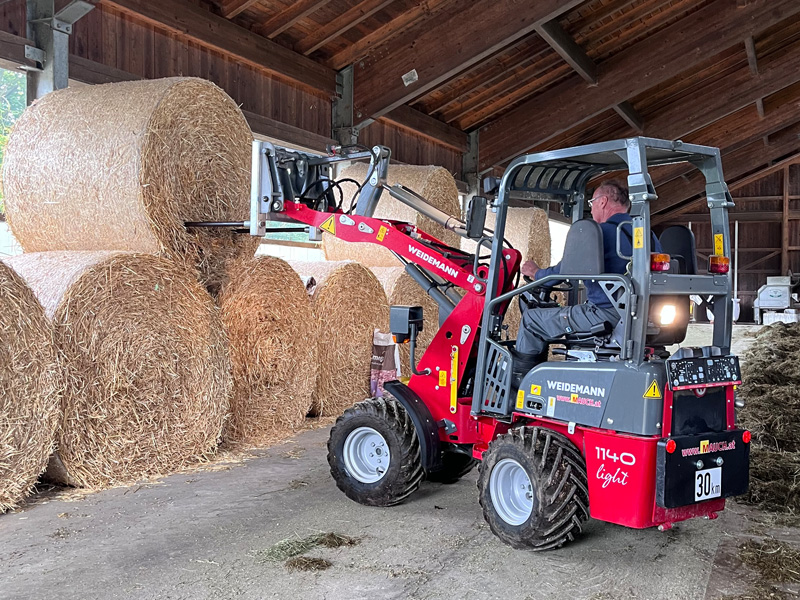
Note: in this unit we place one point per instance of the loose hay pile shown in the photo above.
(266, 313)
(527, 230)
(30, 379)
(348, 304)
(145, 361)
(435, 184)
(401, 289)
(771, 393)
(122, 166)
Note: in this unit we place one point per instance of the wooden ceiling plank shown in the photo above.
(286, 18)
(640, 67)
(339, 25)
(394, 75)
(191, 22)
(424, 10)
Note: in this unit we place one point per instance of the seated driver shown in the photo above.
(610, 205)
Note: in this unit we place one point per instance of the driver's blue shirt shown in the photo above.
(613, 263)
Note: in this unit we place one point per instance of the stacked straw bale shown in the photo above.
(402, 290)
(527, 230)
(435, 184)
(348, 305)
(144, 355)
(266, 310)
(122, 166)
(31, 385)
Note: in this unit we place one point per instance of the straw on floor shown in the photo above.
(145, 360)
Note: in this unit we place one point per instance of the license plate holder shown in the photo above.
(707, 484)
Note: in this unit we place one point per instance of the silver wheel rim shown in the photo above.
(366, 455)
(511, 492)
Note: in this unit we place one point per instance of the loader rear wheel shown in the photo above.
(374, 453)
(454, 466)
(533, 488)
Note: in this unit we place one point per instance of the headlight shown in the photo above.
(667, 315)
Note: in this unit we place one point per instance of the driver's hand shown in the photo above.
(529, 269)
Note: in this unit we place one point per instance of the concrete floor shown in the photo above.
(203, 536)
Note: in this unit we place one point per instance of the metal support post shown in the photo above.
(469, 167)
(49, 32)
(343, 127)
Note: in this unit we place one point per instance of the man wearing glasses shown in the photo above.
(610, 205)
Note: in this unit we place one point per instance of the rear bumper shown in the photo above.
(676, 472)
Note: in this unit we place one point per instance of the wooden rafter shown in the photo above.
(707, 32)
(286, 18)
(785, 223)
(336, 27)
(552, 33)
(192, 22)
(442, 51)
(419, 122)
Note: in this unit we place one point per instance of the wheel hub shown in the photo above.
(511, 491)
(366, 455)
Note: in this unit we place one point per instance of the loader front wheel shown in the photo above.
(533, 488)
(374, 453)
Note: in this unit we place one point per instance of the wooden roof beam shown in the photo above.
(558, 39)
(286, 18)
(401, 72)
(344, 22)
(430, 127)
(707, 32)
(191, 22)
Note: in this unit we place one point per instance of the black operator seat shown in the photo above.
(678, 242)
(584, 255)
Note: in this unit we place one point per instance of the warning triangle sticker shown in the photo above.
(653, 391)
(329, 225)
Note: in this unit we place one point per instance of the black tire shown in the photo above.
(454, 466)
(387, 417)
(559, 488)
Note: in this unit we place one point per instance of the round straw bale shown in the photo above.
(527, 230)
(145, 359)
(30, 379)
(266, 313)
(435, 184)
(401, 289)
(122, 166)
(349, 304)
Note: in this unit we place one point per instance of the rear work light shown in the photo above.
(719, 264)
(659, 262)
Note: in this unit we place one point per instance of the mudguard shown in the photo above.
(426, 427)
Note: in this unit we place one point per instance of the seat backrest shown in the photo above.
(583, 249)
(678, 241)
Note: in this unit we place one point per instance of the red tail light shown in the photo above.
(659, 262)
(746, 437)
(671, 445)
(719, 264)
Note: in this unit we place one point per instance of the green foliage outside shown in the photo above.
(12, 103)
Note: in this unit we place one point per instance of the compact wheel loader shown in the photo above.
(617, 428)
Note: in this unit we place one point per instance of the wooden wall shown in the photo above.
(107, 37)
(759, 242)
